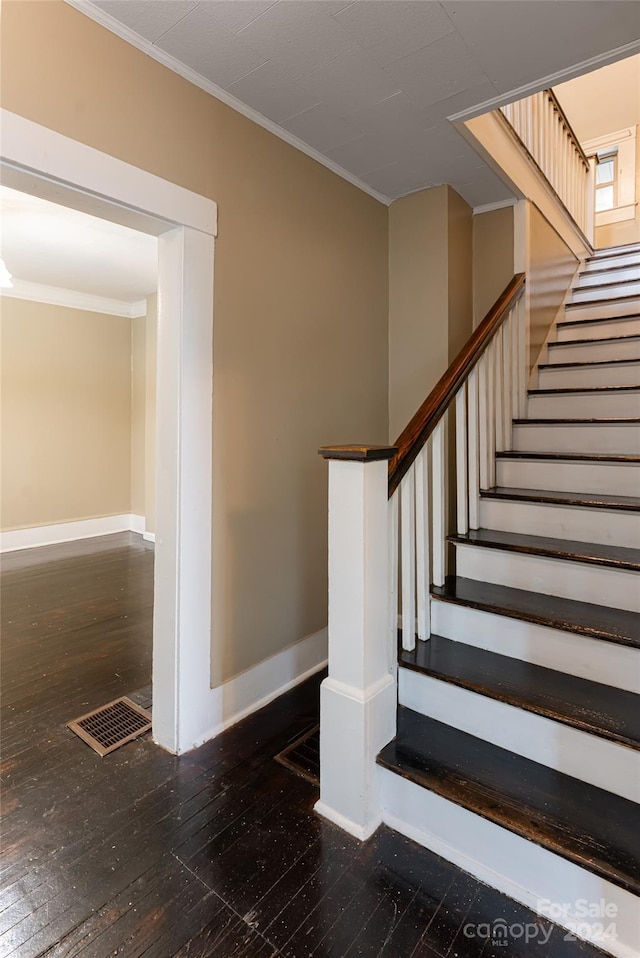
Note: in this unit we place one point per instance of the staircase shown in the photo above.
(517, 753)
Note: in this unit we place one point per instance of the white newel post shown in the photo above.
(358, 699)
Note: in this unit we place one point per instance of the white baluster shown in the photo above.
(498, 390)
(439, 502)
(516, 314)
(507, 414)
(393, 570)
(461, 461)
(523, 359)
(491, 413)
(408, 555)
(473, 449)
(423, 572)
(483, 416)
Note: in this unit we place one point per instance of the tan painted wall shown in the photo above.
(66, 414)
(493, 262)
(430, 295)
(301, 300)
(599, 103)
(552, 266)
(138, 413)
(459, 272)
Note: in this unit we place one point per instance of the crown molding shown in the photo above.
(130, 36)
(71, 298)
(561, 76)
(498, 205)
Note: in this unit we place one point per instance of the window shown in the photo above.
(606, 179)
(615, 175)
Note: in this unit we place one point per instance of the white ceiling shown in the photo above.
(53, 246)
(368, 85)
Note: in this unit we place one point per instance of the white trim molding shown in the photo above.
(490, 207)
(252, 690)
(35, 536)
(42, 162)
(71, 298)
(151, 50)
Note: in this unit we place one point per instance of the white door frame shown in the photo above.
(42, 162)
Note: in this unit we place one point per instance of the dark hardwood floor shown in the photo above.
(217, 853)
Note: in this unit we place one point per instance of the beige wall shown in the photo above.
(493, 258)
(430, 295)
(138, 413)
(597, 104)
(459, 272)
(301, 299)
(552, 267)
(66, 414)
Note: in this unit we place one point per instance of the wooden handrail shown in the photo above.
(554, 99)
(415, 434)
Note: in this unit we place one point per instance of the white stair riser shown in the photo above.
(623, 439)
(524, 870)
(582, 581)
(620, 274)
(595, 351)
(620, 307)
(611, 291)
(587, 757)
(607, 478)
(597, 328)
(611, 374)
(587, 658)
(622, 260)
(585, 405)
(607, 526)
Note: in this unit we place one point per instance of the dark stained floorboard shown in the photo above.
(217, 854)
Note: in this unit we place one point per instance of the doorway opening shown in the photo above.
(41, 163)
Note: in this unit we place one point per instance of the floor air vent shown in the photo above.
(303, 755)
(112, 725)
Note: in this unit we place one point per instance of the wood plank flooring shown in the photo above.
(217, 853)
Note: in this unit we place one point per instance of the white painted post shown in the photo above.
(358, 699)
(590, 215)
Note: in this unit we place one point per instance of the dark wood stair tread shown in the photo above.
(569, 457)
(569, 390)
(591, 342)
(594, 553)
(597, 709)
(620, 421)
(583, 824)
(594, 319)
(567, 615)
(593, 500)
(590, 363)
(603, 301)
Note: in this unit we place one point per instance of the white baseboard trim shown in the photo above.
(36, 536)
(252, 690)
(137, 524)
(148, 536)
(362, 834)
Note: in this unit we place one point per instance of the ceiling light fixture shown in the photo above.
(5, 276)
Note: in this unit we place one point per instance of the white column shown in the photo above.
(358, 699)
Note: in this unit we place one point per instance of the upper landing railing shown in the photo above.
(540, 123)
